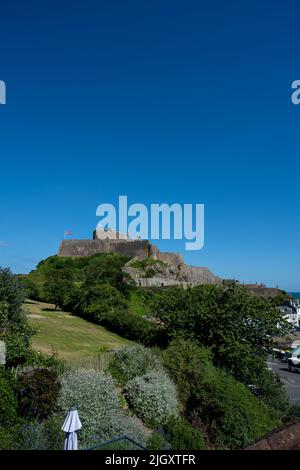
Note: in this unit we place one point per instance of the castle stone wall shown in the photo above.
(170, 258)
(82, 247)
(159, 282)
(132, 248)
(174, 272)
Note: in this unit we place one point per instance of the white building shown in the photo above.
(290, 309)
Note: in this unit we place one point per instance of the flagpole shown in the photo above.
(67, 233)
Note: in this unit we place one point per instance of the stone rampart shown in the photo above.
(82, 247)
(170, 258)
(130, 248)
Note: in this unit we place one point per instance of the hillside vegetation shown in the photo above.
(201, 375)
(68, 336)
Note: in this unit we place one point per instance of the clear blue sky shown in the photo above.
(162, 100)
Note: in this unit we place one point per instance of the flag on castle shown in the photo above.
(67, 233)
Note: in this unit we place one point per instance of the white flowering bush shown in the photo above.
(153, 397)
(96, 398)
(132, 361)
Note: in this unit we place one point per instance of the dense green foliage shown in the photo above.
(231, 415)
(30, 288)
(14, 329)
(214, 342)
(237, 327)
(186, 362)
(182, 435)
(38, 393)
(132, 361)
(157, 441)
(8, 398)
(36, 435)
(147, 263)
(176, 434)
(96, 289)
(79, 275)
(134, 328)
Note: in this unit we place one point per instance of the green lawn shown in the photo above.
(71, 337)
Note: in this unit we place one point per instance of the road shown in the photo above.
(291, 380)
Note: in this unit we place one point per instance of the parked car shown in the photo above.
(294, 360)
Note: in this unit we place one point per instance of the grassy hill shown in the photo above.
(71, 337)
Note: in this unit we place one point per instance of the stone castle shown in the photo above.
(170, 268)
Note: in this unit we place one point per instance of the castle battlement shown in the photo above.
(173, 272)
(117, 243)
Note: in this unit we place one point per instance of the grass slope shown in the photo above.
(72, 338)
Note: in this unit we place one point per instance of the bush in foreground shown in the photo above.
(182, 435)
(132, 361)
(35, 435)
(8, 398)
(14, 329)
(153, 397)
(231, 415)
(39, 390)
(96, 398)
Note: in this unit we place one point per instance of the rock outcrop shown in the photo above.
(163, 269)
(157, 273)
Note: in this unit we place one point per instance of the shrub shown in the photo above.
(182, 435)
(45, 435)
(5, 439)
(232, 416)
(153, 397)
(17, 348)
(30, 287)
(37, 359)
(12, 294)
(243, 333)
(157, 441)
(14, 329)
(102, 299)
(122, 424)
(186, 362)
(150, 272)
(8, 398)
(39, 390)
(133, 327)
(96, 398)
(132, 361)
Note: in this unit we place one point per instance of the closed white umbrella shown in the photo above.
(71, 425)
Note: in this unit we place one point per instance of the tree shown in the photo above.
(101, 299)
(57, 286)
(14, 329)
(214, 401)
(237, 326)
(31, 289)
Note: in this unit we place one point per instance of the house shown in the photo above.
(290, 309)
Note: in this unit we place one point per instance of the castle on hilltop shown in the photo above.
(170, 268)
(116, 242)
